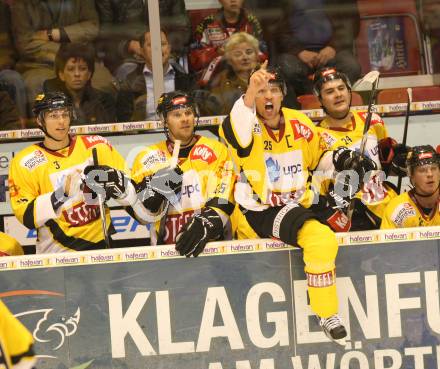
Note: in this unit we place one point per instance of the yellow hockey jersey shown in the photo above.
(35, 172)
(15, 342)
(9, 246)
(274, 166)
(374, 193)
(404, 212)
(208, 179)
(351, 135)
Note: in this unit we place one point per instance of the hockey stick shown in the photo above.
(405, 130)
(101, 205)
(173, 164)
(372, 79)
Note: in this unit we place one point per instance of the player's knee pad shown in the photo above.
(288, 221)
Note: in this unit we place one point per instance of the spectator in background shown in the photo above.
(317, 33)
(136, 100)
(10, 80)
(122, 22)
(241, 55)
(9, 118)
(74, 68)
(212, 33)
(40, 27)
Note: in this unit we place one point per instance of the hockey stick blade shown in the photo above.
(366, 82)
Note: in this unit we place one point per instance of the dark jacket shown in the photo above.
(125, 20)
(344, 19)
(7, 52)
(95, 106)
(8, 113)
(133, 92)
(225, 89)
(77, 20)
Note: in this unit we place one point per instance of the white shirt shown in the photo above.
(169, 86)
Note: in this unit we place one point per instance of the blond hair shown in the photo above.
(239, 38)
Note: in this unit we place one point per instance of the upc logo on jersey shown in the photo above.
(204, 153)
(81, 214)
(90, 141)
(301, 130)
(401, 213)
(33, 160)
(273, 169)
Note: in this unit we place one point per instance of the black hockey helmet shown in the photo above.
(421, 155)
(325, 74)
(169, 101)
(278, 79)
(51, 101)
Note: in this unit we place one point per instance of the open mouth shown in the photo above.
(268, 107)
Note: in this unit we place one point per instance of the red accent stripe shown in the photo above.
(56, 153)
(30, 292)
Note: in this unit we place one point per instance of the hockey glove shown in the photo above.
(393, 156)
(198, 231)
(345, 159)
(164, 185)
(106, 181)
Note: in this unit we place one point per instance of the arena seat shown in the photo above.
(392, 96)
(428, 93)
(309, 102)
(399, 95)
(375, 7)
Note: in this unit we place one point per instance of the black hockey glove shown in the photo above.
(164, 185)
(393, 156)
(106, 181)
(196, 233)
(345, 159)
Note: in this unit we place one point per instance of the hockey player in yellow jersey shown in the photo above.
(343, 127)
(419, 207)
(274, 150)
(46, 182)
(199, 190)
(16, 343)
